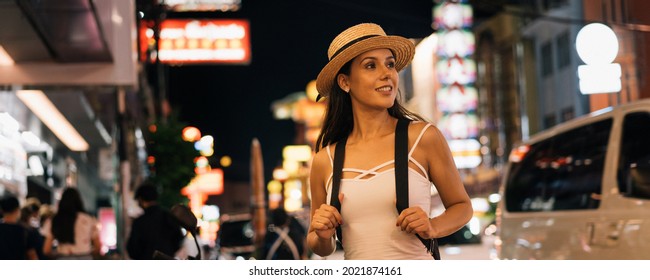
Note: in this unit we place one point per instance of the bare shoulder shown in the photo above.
(432, 138)
(322, 158)
(321, 165)
(415, 127)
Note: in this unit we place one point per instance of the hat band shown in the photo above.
(350, 44)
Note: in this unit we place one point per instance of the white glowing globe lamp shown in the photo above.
(596, 43)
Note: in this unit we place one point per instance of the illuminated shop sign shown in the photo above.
(185, 41)
(466, 152)
(207, 183)
(203, 5)
(449, 15)
(457, 98)
(204, 184)
(13, 167)
(108, 229)
(456, 70)
(459, 43)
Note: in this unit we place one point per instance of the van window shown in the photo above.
(634, 164)
(563, 172)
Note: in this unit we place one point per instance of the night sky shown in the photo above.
(289, 47)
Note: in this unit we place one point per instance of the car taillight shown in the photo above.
(517, 154)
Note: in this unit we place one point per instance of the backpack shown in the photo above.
(401, 179)
(283, 246)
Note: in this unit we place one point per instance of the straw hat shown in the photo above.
(355, 41)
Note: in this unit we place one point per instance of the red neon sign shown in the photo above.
(206, 183)
(185, 41)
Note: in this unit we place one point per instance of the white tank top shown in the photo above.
(85, 229)
(369, 212)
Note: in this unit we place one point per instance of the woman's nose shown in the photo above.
(386, 73)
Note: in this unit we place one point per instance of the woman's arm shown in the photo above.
(49, 240)
(31, 254)
(96, 242)
(444, 175)
(324, 218)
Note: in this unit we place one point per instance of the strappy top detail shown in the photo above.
(418, 139)
(373, 171)
(370, 214)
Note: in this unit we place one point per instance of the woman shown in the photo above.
(74, 231)
(361, 84)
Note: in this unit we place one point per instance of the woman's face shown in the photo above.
(373, 79)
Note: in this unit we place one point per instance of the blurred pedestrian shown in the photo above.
(14, 241)
(46, 213)
(31, 220)
(285, 237)
(361, 84)
(73, 232)
(155, 230)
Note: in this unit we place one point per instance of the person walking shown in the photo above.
(31, 220)
(361, 84)
(285, 237)
(72, 229)
(14, 241)
(155, 230)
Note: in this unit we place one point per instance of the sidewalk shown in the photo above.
(483, 251)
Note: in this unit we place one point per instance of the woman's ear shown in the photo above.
(343, 82)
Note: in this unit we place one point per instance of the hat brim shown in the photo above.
(402, 48)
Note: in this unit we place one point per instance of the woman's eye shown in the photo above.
(370, 65)
(391, 64)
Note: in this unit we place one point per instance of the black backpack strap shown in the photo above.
(402, 179)
(339, 157)
(401, 165)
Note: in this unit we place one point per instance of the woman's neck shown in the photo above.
(368, 126)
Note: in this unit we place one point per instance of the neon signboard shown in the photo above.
(189, 41)
(457, 99)
(203, 5)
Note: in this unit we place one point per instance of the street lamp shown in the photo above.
(597, 46)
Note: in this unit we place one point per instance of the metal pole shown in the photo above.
(122, 183)
(258, 199)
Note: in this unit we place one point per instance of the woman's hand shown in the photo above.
(415, 220)
(325, 220)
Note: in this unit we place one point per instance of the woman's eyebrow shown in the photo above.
(376, 58)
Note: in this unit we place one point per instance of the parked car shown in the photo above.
(235, 237)
(580, 190)
(460, 237)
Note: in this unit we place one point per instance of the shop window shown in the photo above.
(550, 120)
(553, 4)
(563, 50)
(546, 58)
(567, 114)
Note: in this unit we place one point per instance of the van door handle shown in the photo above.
(612, 234)
(591, 232)
(615, 230)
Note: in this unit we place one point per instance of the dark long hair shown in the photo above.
(66, 215)
(339, 122)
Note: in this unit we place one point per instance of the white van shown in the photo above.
(580, 190)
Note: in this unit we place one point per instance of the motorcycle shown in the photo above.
(186, 219)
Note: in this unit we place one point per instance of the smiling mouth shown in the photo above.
(385, 89)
